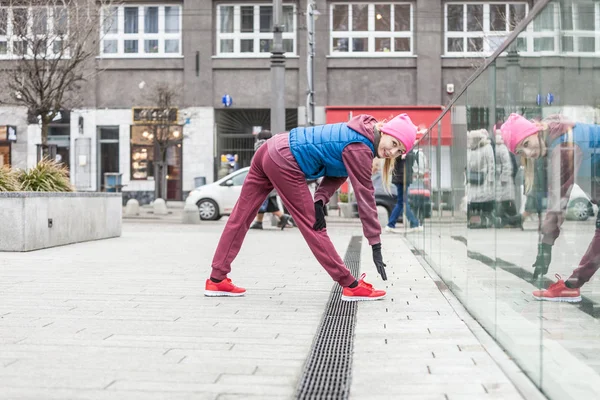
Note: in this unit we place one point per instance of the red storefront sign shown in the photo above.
(422, 116)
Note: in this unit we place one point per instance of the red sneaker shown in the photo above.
(364, 291)
(558, 292)
(223, 288)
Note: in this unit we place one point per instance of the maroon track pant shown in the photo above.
(291, 186)
(589, 263)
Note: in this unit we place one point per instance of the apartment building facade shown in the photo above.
(381, 57)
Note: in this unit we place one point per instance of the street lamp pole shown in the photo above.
(311, 14)
(277, 72)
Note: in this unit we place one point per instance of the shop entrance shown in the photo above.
(146, 164)
(236, 130)
(4, 154)
(7, 135)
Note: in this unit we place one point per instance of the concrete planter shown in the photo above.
(37, 220)
(346, 210)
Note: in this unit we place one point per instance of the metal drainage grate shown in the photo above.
(328, 370)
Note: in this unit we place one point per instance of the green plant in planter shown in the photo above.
(343, 197)
(47, 176)
(8, 180)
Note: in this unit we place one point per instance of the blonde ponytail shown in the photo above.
(388, 163)
(386, 173)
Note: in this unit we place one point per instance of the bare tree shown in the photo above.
(49, 46)
(163, 129)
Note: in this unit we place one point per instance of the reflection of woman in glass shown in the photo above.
(570, 148)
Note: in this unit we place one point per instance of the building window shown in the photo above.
(142, 153)
(543, 31)
(246, 30)
(33, 31)
(477, 29)
(141, 31)
(570, 28)
(145, 143)
(359, 29)
(580, 29)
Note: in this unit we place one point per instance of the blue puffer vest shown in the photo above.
(587, 138)
(318, 149)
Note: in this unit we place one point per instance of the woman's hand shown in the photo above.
(320, 223)
(543, 260)
(378, 260)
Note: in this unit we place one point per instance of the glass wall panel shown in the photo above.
(514, 229)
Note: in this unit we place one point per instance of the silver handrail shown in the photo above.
(537, 8)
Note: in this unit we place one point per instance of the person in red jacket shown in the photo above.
(334, 152)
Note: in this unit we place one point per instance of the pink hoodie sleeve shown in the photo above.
(327, 188)
(358, 160)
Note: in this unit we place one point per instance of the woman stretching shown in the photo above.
(335, 152)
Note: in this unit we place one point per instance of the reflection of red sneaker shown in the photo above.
(558, 292)
(223, 288)
(364, 291)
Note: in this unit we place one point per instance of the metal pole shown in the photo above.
(277, 72)
(492, 90)
(438, 169)
(310, 68)
(513, 70)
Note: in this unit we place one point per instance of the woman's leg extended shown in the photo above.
(293, 190)
(590, 262)
(255, 189)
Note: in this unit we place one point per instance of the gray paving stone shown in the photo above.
(126, 319)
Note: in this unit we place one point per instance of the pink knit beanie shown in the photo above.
(402, 128)
(515, 129)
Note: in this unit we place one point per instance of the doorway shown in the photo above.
(108, 152)
(174, 175)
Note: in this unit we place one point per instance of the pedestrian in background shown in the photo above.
(481, 173)
(270, 204)
(401, 178)
(334, 152)
(416, 167)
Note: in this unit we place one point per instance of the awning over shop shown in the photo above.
(422, 116)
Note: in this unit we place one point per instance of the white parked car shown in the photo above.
(580, 207)
(218, 198)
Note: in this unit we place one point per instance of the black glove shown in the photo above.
(319, 216)
(542, 262)
(378, 260)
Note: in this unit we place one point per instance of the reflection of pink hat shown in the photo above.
(515, 129)
(402, 128)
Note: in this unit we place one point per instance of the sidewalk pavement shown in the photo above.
(126, 318)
